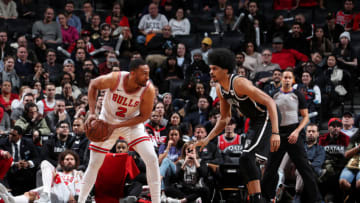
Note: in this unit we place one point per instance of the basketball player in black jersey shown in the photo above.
(240, 93)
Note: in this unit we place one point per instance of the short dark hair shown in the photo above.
(62, 122)
(18, 129)
(313, 124)
(135, 64)
(70, 2)
(28, 106)
(223, 58)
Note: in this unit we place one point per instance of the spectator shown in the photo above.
(151, 23)
(345, 17)
(296, 40)
(23, 66)
(332, 30)
(86, 15)
(32, 124)
(167, 100)
(190, 174)
(69, 33)
(24, 89)
(18, 111)
(58, 143)
(348, 127)
(5, 48)
(40, 48)
(312, 95)
(334, 143)
(6, 96)
(9, 73)
(228, 20)
(4, 122)
(105, 40)
(199, 90)
(80, 142)
(48, 29)
(23, 42)
(263, 72)
(59, 114)
(239, 60)
(275, 84)
(180, 25)
(175, 119)
(47, 105)
(94, 27)
(183, 61)
(278, 28)
(198, 69)
(67, 94)
(346, 55)
(25, 161)
(8, 9)
(157, 45)
(111, 61)
(54, 69)
(117, 13)
(306, 28)
(252, 57)
(200, 116)
(285, 57)
(204, 50)
(351, 170)
(228, 138)
(154, 128)
(319, 43)
(72, 19)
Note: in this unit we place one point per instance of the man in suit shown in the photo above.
(201, 115)
(21, 176)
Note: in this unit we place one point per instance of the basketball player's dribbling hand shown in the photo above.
(90, 118)
(202, 143)
(274, 142)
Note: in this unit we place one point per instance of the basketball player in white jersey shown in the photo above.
(127, 104)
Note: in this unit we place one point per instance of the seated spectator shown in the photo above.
(48, 29)
(275, 84)
(111, 61)
(105, 40)
(228, 20)
(334, 85)
(170, 76)
(168, 100)
(28, 97)
(160, 107)
(5, 48)
(306, 28)
(86, 15)
(348, 127)
(67, 95)
(69, 33)
(47, 105)
(80, 142)
(9, 73)
(154, 128)
(252, 57)
(350, 173)
(332, 30)
(319, 43)
(5, 122)
(198, 69)
(312, 95)
(32, 124)
(227, 139)
(40, 48)
(6, 96)
(346, 55)
(22, 41)
(72, 19)
(23, 66)
(199, 90)
(8, 9)
(21, 176)
(345, 17)
(183, 61)
(296, 40)
(278, 28)
(263, 72)
(52, 67)
(180, 25)
(152, 23)
(334, 143)
(58, 143)
(190, 174)
(285, 57)
(57, 116)
(118, 13)
(24, 89)
(199, 116)
(94, 27)
(204, 50)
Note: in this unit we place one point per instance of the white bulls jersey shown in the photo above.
(118, 105)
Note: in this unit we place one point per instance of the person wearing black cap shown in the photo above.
(332, 30)
(348, 124)
(236, 91)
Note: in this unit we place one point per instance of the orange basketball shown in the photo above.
(98, 130)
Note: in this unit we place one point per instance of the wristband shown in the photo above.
(275, 133)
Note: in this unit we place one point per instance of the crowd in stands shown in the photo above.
(47, 63)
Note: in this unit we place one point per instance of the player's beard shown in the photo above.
(68, 168)
(142, 84)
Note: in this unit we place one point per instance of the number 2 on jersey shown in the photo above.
(122, 111)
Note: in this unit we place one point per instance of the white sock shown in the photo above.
(88, 181)
(147, 153)
(47, 173)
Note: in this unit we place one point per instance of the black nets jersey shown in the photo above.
(248, 107)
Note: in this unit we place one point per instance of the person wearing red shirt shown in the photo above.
(285, 57)
(345, 17)
(6, 97)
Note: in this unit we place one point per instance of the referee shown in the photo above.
(290, 103)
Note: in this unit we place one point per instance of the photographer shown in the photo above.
(190, 175)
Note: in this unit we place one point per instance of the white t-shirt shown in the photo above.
(147, 23)
(180, 27)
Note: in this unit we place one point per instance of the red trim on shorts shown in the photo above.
(117, 83)
(98, 149)
(138, 140)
